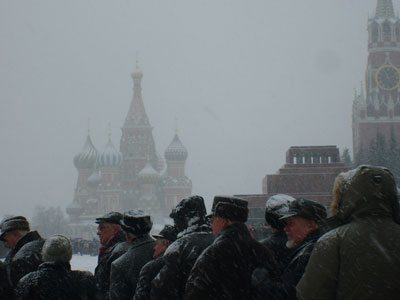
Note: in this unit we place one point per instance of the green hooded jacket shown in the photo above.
(360, 259)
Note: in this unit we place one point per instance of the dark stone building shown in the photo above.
(309, 172)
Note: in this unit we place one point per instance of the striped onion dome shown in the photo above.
(86, 159)
(110, 157)
(148, 173)
(176, 150)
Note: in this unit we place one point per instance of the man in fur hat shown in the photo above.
(25, 247)
(224, 270)
(275, 207)
(125, 270)
(54, 278)
(195, 235)
(302, 229)
(150, 270)
(359, 259)
(113, 245)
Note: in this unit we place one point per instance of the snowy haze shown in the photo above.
(241, 80)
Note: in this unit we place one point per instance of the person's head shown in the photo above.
(57, 248)
(165, 238)
(188, 211)
(135, 223)
(275, 207)
(227, 210)
(365, 190)
(12, 229)
(302, 219)
(108, 226)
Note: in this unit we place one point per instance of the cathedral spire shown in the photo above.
(137, 116)
(384, 9)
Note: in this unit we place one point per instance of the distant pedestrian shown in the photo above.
(113, 245)
(224, 270)
(54, 278)
(195, 235)
(359, 259)
(276, 206)
(125, 270)
(25, 247)
(150, 270)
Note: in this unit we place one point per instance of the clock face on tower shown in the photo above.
(388, 77)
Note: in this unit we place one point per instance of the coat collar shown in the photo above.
(141, 240)
(29, 237)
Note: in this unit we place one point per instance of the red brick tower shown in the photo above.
(109, 190)
(176, 184)
(379, 108)
(137, 143)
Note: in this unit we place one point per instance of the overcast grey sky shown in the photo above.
(245, 80)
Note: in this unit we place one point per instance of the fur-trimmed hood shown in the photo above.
(365, 191)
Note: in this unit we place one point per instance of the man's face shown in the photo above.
(218, 224)
(106, 231)
(159, 248)
(298, 229)
(11, 239)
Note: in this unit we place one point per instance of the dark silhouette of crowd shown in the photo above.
(352, 254)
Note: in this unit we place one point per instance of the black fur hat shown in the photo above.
(306, 209)
(231, 208)
(111, 217)
(169, 233)
(136, 222)
(189, 207)
(275, 207)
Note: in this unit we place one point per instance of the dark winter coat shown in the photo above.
(224, 269)
(277, 244)
(56, 281)
(179, 259)
(360, 259)
(125, 270)
(25, 257)
(117, 247)
(285, 287)
(6, 291)
(147, 274)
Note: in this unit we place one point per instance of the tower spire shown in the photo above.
(384, 9)
(137, 114)
(109, 131)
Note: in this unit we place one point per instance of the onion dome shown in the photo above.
(110, 157)
(176, 150)
(94, 179)
(86, 159)
(74, 209)
(148, 173)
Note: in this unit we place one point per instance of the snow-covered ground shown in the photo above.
(83, 262)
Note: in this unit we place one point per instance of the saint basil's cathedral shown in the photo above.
(134, 177)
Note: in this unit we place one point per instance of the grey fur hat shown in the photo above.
(11, 223)
(57, 248)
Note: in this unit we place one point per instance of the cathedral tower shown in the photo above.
(109, 190)
(176, 185)
(137, 143)
(378, 108)
(85, 162)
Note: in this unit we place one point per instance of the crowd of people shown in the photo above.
(352, 254)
